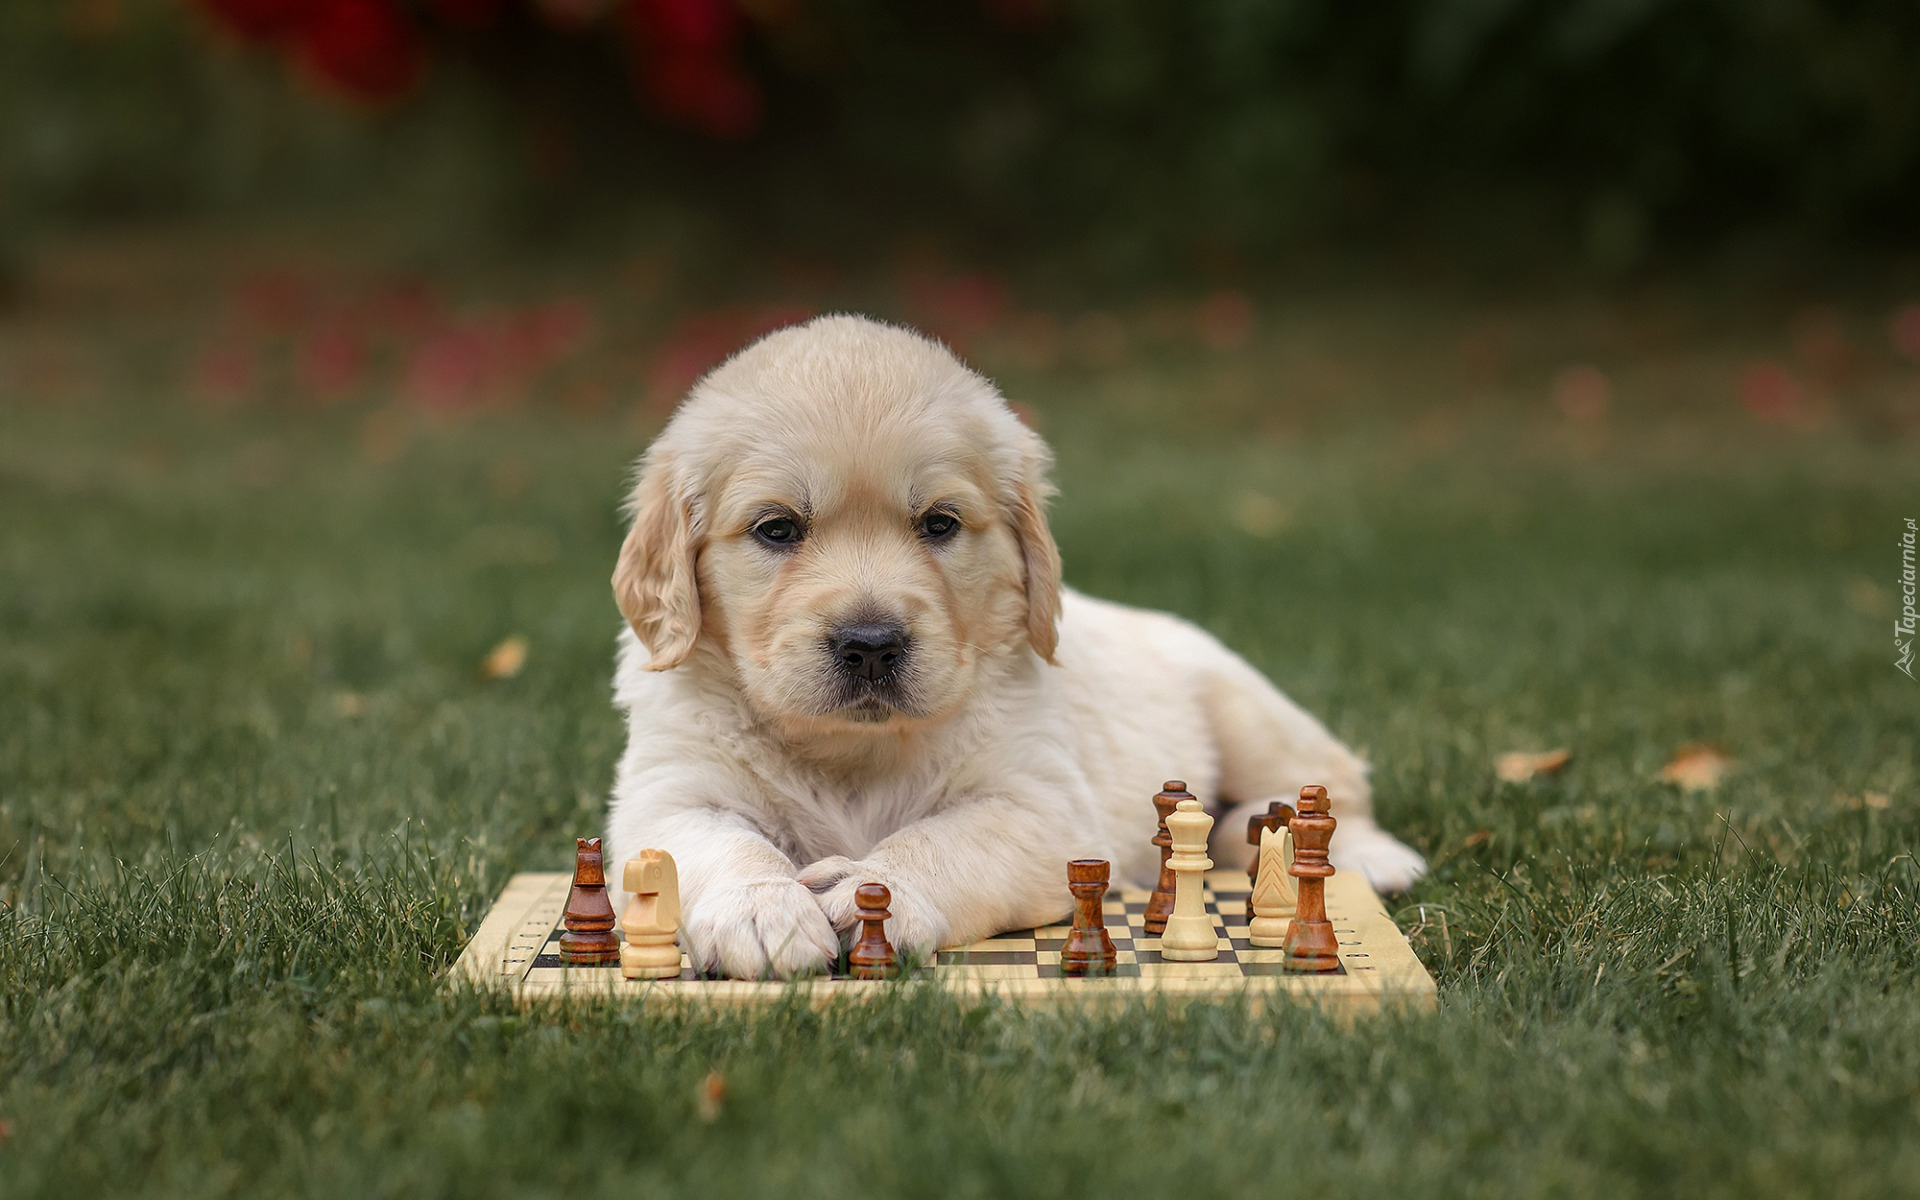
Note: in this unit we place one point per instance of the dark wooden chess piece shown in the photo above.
(1160, 904)
(1276, 816)
(1088, 950)
(872, 956)
(1311, 944)
(589, 937)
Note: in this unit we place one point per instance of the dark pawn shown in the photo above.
(1311, 944)
(872, 956)
(589, 937)
(1160, 904)
(1277, 816)
(1088, 950)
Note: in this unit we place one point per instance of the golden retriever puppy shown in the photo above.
(850, 658)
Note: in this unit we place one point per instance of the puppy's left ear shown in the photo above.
(1039, 560)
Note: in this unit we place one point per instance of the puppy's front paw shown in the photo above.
(915, 925)
(753, 930)
(1389, 864)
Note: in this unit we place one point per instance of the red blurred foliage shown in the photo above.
(406, 310)
(94, 19)
(1225, 320)
(362, 47)
(277, 301)
(1583, 393)
(686, 53)
(260, 20)
(957, 308)
(447, 373)
(568, 14)
(226, 374)
(710, 95)
(492, 358)
(1771, 393)
(554, 331)
(699, 343)
(331, 363)
(367, 50)
(468, 14)
(689, 26)
(1905, 331)
(335, 341)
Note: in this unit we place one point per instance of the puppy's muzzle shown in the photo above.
(871, 651)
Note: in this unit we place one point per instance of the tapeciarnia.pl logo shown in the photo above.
(1903, 625)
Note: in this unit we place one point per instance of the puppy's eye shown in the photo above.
(938, 526)
(778, 531)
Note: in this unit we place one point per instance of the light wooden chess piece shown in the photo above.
(1273, 890)
(652, 919)
(1276, 817)
(1189, 936)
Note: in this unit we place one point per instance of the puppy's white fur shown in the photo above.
(1028, 724)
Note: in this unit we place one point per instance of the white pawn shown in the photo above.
(1273, 890)
(653, 918)
(1189, 936)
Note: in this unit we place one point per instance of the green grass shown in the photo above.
(254, 793)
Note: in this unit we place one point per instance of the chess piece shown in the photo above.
(1273, 890)
(1160, 904)
(1310, 944)
(1088, 950)
(589, 938)
(652, 918)
(1276, 817)
(1189, 935)
(872, 956)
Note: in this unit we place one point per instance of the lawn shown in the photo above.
(255, 790)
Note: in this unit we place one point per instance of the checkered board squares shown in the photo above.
(517, 947)
(1035, 953)
(550, 966)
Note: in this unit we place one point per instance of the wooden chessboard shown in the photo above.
(518, 947)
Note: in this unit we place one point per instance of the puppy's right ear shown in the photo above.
(654, 582)
(1040, 564)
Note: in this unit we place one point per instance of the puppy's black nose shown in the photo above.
(869, 651)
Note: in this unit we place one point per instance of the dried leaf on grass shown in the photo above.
(1696, 767)
(505, 660)
(711, 1096)
(1518, 766)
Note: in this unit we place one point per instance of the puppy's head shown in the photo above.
(854, 520)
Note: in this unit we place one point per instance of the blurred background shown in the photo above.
(457, 205)
(1138, 138)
